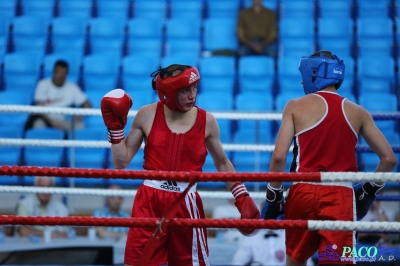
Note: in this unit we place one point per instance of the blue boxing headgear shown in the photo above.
(319, 72)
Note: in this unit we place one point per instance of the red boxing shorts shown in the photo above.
(183, 246)
(309, 201)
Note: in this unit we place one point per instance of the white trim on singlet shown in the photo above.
(347, 120)
(298, 154)
(320, 121)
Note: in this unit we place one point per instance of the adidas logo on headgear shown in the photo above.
(193, 77)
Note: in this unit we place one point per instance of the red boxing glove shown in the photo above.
(115, 107)
(247, 207)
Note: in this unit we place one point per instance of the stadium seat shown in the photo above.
(15, 97)
(40, 8)
(183, 59)
(271, 4)
(155, 9)
(340, 47)
(44, 156)
(136, 70)
(8, 9)
(219, 34)
(374, 69)
(378, 9)
(300, 9)
(30, 34)
(215, 101)
(295, 28)
(217, 74)
(296, 47)
(74, 64)
(21, 72)
(69, 33)
(182, 28)
(375, 34)
(192, 9)
(100, 72)
(337, 9)
(144, 36)
(283, 97)
(331, 30)
(106, 36)
(249, 162)
(152, 47)
(289, 76)
(3, 45)
(222, 8)
(177, 46)
(118, 9)
(75, 8)
(256, 73)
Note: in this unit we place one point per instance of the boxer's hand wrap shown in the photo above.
(115, 107)
(365, 196)
(274, 203)
(246, 206)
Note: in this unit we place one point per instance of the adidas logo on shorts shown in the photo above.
(193, 77)
(170, 185)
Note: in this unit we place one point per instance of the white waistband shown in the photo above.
(341, 184)
(171, 186)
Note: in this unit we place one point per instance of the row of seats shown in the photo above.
(194, 8)
(100, 72)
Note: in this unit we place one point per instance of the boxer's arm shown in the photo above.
(123, 152)
(282, 145)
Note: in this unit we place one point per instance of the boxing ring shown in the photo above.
(168, 221)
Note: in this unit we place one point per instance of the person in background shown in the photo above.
(227, 211)
(112, 210)
(58, 92)
(256, 30)
(42, 204)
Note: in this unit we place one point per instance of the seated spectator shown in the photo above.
(112, 210)
(377, 213)
(42, 204)
(227, 211)
(58, 92)
(257, 30)
(266, 248)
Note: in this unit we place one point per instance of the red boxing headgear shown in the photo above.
(167, 88)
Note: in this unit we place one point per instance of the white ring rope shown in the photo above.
(111, 192)
(353, 226)
(106, 144)
(97, 112)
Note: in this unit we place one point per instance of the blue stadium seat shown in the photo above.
(182, 28)
(215, 101)
(100, 72)
(106, 36)
(21, 72)
(151, 47)
(337, 9)
(209, 167)
(177, 46)
(95, 99)
(250, 161)
(40, 8)
(256, 73)
(144, 36)
(219, 34)
(332, 30)
(374, 69)
(88, 157)
(376, 9)
(222, 8)
(300, 9)
(30, 34)
(8, 9)
(75, 8)
(192, 9)
(136, 70)
(136, 164)
(155, 9)
(44, 156)
(289, 76)
(15, 97)
(284, 96)
(3, 45)
(69, 33)
(10, 155)
(375, 35)
(295, 28)
(118, 9)
(14, 120)
(183, 59)
(74, 64)
(297, 47)
(271, 4)
(218, 73)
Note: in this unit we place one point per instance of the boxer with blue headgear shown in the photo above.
(321, 70)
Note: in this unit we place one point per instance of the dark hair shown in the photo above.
(61, 63)
(328, 54)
